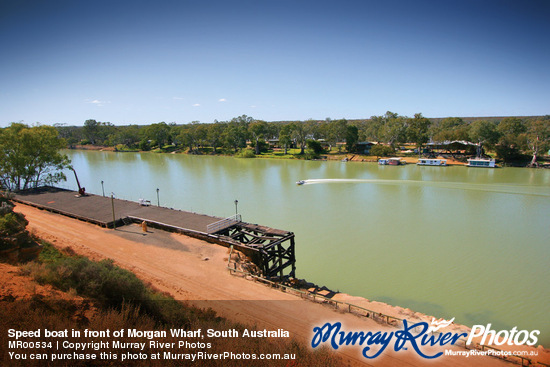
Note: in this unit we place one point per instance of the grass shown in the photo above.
(278, 155)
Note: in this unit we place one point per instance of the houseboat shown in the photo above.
(391, 162)
(431, 162)
(481, 162)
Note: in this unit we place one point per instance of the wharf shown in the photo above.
(98, 209)
(271, 249)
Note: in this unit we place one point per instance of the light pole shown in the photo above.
(113, 206)
(236, 210)
(102, 188)
(158, 200)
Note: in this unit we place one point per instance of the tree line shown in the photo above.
(31, 157)
(510, 138)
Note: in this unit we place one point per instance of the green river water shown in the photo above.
(469, 243)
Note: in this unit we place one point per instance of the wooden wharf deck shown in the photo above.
(98, 209)
(271, 249)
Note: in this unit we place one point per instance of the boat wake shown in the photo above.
(499, 188)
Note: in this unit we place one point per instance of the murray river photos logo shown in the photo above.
(416, 337)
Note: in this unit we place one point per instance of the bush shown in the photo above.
(246, 153)
(314, 147)
(123, 301)
(12, 223)
(103, 281)
(13, 234)
(380, 150)
(264, 146)
(144, 145)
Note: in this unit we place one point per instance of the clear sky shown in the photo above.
(181, 61)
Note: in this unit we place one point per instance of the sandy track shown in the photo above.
(177, 265)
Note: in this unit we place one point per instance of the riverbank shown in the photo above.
(190, 269)
(344, 157)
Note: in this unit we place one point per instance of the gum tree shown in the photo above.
(31, 157)
(257, 130)
(484, 133)
(511, 138)
(538, 138)
(417, 130)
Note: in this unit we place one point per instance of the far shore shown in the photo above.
(193, 270)
(340, 156)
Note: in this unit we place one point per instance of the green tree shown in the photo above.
(71, 134)
(30, 157)
(236, 132)
(98, 132)
(352, 137)
(417, 130)
(284, 136)
(127, 135)
(92, 131)
(314, 147)
(192, 136)
(362, 126)
(257, 130)
(380, 150)
(159, 133)
(512, 133)
(300, 133)
(484, 133)
(394, 130)
(449, 129)
(336, 131)
(538, 138)
(214, 134)
(373, 128)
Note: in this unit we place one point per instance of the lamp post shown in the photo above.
(102, 188)
(158, 200)
(113, 206)
(236, 210)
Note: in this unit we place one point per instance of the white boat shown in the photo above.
(301, 182)
(481, 162)
(391, 162)
(431, 162)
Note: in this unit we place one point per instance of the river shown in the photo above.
(469, 243)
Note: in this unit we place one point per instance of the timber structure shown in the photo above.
(274, 247)
(272, 250)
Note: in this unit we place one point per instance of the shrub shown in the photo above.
(12, 223)
(144, 145)
(314, 147)
(380, 150)
(123, 301)
(246, 153)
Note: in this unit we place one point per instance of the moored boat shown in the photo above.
(431, 162)
(481, 162)
(391, 162)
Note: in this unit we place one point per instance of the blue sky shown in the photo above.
(181, 61)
